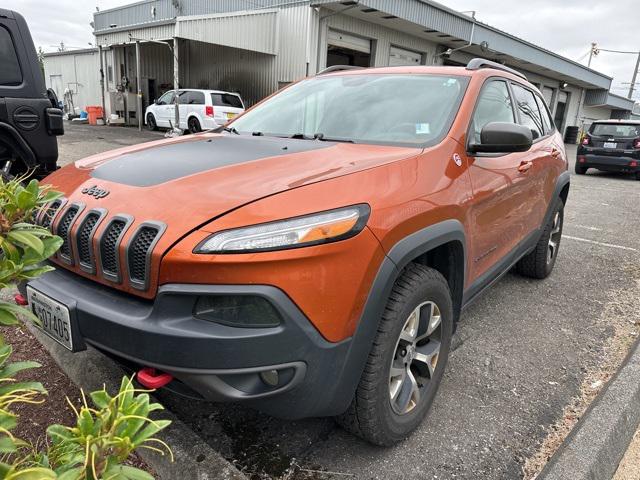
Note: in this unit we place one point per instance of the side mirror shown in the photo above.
(503, 137)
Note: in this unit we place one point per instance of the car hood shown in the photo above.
(188, 181)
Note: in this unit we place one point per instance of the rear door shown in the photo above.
(165, 109)
(226, 106)
(539, 161)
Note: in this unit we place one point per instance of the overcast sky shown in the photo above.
(567, 27)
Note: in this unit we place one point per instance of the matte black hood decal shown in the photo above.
(170, 162)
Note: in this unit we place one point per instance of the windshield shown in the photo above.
(368, 108)
(615, 130)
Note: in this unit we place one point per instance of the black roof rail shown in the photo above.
(478, 63)
(338, 68)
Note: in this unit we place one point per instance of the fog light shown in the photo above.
(581, 159)
(237, 311)
(633, 163)
(270, 377)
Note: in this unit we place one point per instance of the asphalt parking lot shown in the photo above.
(521, 356)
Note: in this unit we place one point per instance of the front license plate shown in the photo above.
(54, 316)
(610, 145)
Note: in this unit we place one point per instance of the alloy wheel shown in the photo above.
(415, 358)
(554, 237)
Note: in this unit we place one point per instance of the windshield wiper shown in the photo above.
(231, 130)
(301, 136)
(321, 137)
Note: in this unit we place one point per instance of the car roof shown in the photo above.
(206, 91)
(483, 72)
(618, 121)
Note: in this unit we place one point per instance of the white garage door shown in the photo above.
(351, 42)
(400, 56)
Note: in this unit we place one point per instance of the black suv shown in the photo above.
(30, 118)
(611, 146)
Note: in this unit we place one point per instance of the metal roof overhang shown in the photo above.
(254, 30)
(440, 24)
(603, 98)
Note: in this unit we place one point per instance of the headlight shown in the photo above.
(323, 227)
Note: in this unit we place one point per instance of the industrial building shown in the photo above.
(255, 47)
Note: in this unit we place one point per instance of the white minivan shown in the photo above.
(199, 109)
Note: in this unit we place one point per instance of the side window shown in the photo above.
(166, 99)
(547, 122)
(494, 105)
(196, 98)
(10, 73)
(528, 109)
(183, 97)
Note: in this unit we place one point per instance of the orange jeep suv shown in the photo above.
(314, 257)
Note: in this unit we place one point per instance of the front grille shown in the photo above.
(139, 248)
(63, 230)
(85, 237)
(49, 213)
(109, 248)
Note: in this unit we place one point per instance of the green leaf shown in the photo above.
(27, 240)
(100, 398)
(7, 318)
(7, 445)
(18, 310)
(33, 474)
(73, 474)
(26, 200)
(22, 386)
(13, 368)
(59, 433)
(149, 431)
(133, 473)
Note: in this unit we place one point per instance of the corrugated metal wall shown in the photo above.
(80, 73)
(254, 75)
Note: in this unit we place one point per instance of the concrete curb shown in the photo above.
(596, 445)
(194, 459)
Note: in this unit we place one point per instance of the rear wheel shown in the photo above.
(637, 175)
(540, 262)
(194, 125)
(580, 170)
(407, 360)
(151, 122)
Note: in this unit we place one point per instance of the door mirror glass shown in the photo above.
(503, 137)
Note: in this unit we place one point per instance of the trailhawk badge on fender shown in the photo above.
(95, 191)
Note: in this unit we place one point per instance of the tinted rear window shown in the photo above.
(10, 73)
(615, 130)
(226, 100)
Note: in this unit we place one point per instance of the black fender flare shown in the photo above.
(12, 138)
(564, 180)
(401, 254)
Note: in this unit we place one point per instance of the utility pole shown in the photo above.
(635, 76)
(594, 51)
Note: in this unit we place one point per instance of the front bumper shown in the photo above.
(220, 363)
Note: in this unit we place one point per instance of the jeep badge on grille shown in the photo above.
(95, 191)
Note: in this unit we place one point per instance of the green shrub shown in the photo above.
(105, 434)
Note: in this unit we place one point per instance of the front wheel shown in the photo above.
(407, 360)
(539, 263)
(151, 122)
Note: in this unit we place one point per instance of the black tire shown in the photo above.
(194, 125)
(637, 175)
(371, 414)
(151, 122)
(580, 170)
(539, 263)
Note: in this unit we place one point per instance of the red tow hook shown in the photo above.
(151, 378)
(20, 300)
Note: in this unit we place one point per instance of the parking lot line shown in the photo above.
(587, 227)
(602, 244)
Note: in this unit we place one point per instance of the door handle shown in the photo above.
(525, 166)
